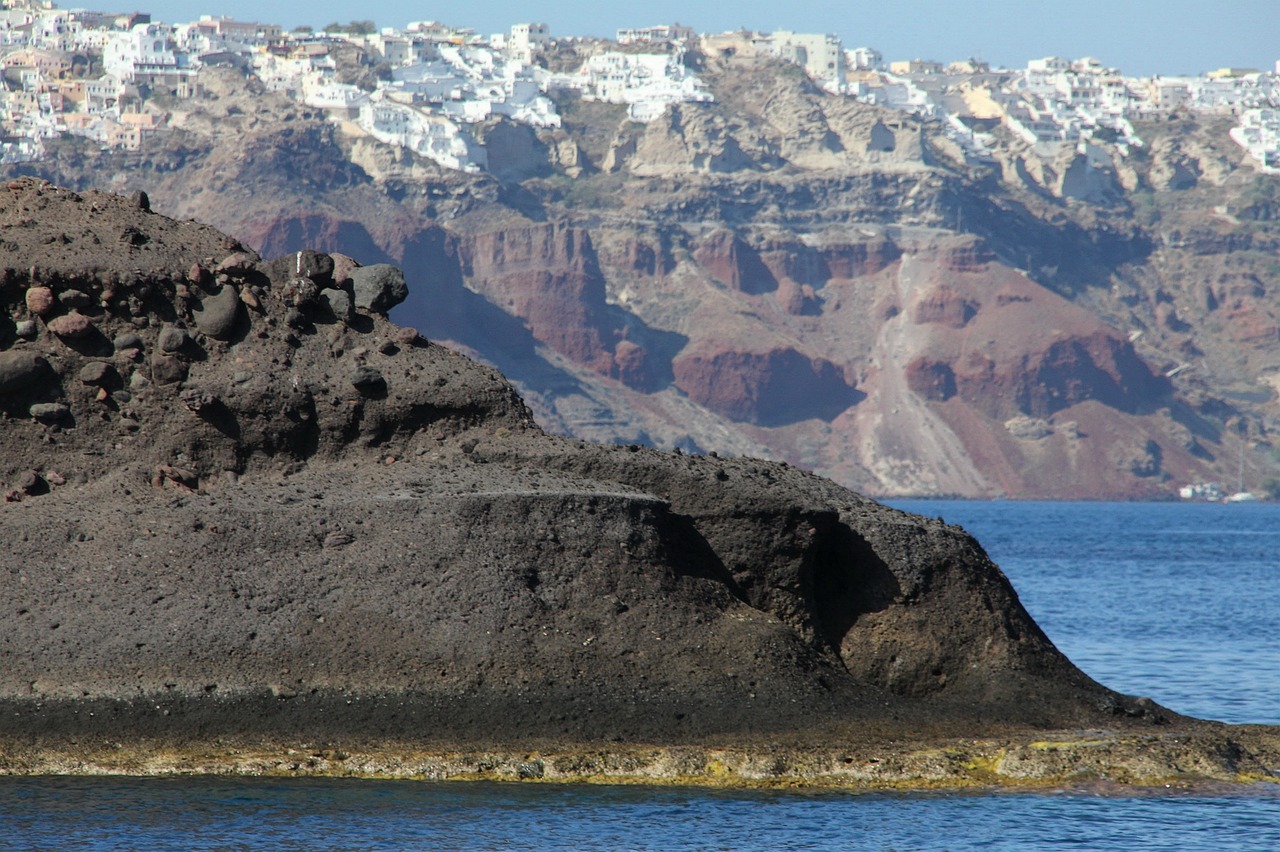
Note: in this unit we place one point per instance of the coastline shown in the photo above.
(1201, 758)
(327, 547)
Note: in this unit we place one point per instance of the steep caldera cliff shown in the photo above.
(798, 275)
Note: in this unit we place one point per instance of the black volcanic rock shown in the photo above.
(304, 531)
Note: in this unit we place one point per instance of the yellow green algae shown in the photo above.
(1227, 757)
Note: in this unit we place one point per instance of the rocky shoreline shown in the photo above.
(1207, 761)
(252, 524)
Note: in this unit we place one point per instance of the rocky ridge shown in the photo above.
(248, 515)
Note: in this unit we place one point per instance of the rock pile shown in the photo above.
(120, 349)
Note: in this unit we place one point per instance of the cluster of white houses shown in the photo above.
(91, 74)
(1055, 100)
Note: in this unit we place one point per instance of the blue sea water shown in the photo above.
(1175, 601)
(208, 814)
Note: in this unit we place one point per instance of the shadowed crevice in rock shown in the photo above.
(849, 580)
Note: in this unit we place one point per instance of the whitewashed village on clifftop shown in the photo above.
(98, 75)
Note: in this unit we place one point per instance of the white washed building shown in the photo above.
(145, 50)
(822, 56)
(526, 40)
(647, 82)
(1259, 134)
(435, 137)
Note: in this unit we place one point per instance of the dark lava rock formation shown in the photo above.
(238, 504)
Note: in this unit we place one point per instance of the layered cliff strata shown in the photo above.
(790, 273)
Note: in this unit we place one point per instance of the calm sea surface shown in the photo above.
(1178, 602)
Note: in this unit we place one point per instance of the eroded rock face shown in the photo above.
(769, 388)
(727, 258)
(549, 276)
(327, 529)
(780, 217)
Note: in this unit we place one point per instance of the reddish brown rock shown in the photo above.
(730, 260)
(769, 388)
(168, 369)
(631, 364)
(40, 301)
(548, 276)
(933, 380)
(945, 306)
(798, 299)
(73, 325)
(644, 254)
(237, 263)
(342, 269)
(199, 275)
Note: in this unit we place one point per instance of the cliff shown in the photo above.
(797, 275)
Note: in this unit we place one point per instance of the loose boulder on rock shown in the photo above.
(338, 303)
(97, 373)
(168, 369)
(368, 379)
(28, 481)
(238, 263)
(128, 340)
(199, 276)
(218, 314)
(40, 301)
(49, 412)
(172, 339)
(72, 326)
(379, 287)
(408, 336)
(343, 266)
(302, 264)
(75, 299)
(20, 369)
(301, 292)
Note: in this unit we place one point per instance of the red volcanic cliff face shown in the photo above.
(1019, 350)
(549, 276)
(944, 306)
(798, 261)
(639, 252)
(895, 367)
(318, 231)
(1044, 381)
(762, 265)
(730, 260)
(1101, 366)
(770, 388)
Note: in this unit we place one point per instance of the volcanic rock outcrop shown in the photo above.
(233, 512)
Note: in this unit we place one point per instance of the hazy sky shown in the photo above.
(1140, 37)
